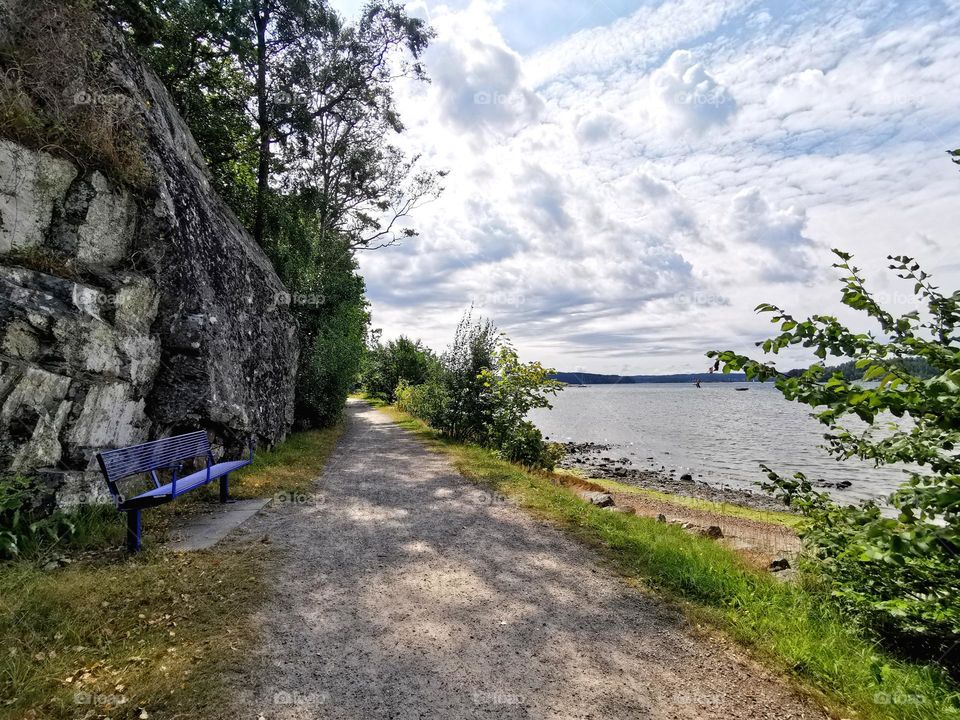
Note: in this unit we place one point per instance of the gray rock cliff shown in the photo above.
(128, 313)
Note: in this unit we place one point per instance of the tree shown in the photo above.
(322, 109)
(202, 51)
(899, 574)
(327, 299)
(331, 113)
(400, 360)
(293, 109)
(473, 351)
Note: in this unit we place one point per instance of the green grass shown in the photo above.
(155, 632)
(158, 630)
(739, 511)
(788, 626)
(90, 528)
(290, 467)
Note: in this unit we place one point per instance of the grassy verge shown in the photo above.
(289, 468)
(738, 511)
(153, 633)
(109, 636)
(788, 626)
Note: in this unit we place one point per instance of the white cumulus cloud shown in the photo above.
(690, 99)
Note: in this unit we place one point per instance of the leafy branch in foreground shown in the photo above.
(899, 574)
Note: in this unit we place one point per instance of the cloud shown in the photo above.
(542, 198)
(597, 126)
(802, 91)
(690, 99)
(778, 233)
(478, 80)
(602, 223)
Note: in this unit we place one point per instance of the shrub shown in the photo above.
(899, 576)
(428, 401)
(514, 389)
(22, 525)
(386, 365)
(480, 391)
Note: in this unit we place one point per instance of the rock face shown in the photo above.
(131, 313)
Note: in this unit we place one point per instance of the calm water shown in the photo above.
(715, 432)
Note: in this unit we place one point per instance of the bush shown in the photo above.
(514, 389)
(526, 446)
(428, 401)
(479, 391)
(899, 576)
(22, 525)
(400, 360)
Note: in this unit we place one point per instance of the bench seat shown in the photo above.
(163, 455)
(184, 485)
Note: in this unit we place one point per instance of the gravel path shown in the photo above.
(406, 591)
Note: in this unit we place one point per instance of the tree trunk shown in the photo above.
(261, 17)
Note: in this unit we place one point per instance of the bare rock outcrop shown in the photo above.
(129, 312)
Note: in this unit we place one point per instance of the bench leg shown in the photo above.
(225, 488)
(133, 530)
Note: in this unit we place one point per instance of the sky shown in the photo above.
(628, 180)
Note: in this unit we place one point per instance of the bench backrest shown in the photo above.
(159, 454)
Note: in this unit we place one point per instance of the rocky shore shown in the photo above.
(596, 460)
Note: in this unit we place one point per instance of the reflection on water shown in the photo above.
(715, 432)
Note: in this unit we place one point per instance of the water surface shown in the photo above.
(716, 433)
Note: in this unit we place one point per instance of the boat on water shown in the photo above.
(741, 389)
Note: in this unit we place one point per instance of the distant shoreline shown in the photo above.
(597, 379)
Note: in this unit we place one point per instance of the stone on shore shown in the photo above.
(599, 499)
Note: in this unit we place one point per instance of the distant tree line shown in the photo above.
(849, 370)
(915, 366)
(575, 378)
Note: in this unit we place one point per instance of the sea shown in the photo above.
(717, 433)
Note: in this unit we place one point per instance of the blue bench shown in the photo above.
(167, 454)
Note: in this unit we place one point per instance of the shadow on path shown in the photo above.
(406, 591)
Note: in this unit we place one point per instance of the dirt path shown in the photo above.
(406, 591)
